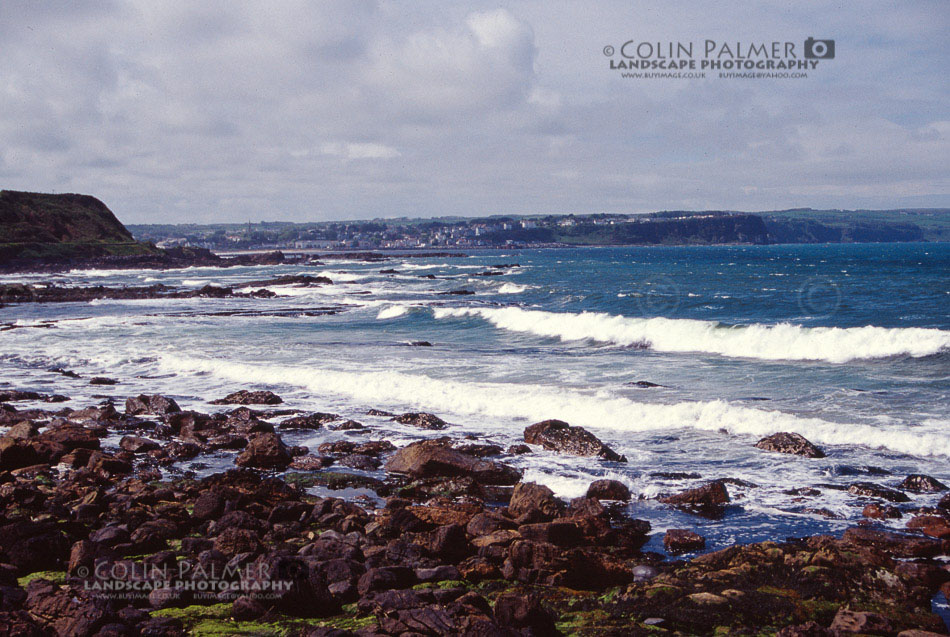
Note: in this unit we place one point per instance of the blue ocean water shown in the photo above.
(848, 345)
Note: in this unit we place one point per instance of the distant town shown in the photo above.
(669, 227)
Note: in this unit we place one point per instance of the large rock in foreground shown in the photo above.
(433, 458)
(557, 435)
(265, 451)
(786, 442)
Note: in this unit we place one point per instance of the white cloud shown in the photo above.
(359, 150)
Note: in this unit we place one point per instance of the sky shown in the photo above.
(202, 112)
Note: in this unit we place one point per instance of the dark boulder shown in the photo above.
(386, 578)
(678, 541)
(708, 496)
(422, 420)
(136, 444)
(430, 458)
(791, 443)
(557, 435)
(245, 397)
(608, 490)
(310, 421)
(871, 490)
(265, 451)
(918, 483)
(151, 404)
(531, 499)
(524, 612)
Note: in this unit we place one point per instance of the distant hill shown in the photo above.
(38, 225)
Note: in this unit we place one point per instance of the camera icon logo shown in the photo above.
(819, 49)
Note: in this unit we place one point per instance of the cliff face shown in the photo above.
(37, 225)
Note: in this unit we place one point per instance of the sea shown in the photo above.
(680, 358)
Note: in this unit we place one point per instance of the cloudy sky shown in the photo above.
(216, 111)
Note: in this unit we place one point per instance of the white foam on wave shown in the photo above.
(339, 275)
(783, 341)
(512, 288)
(599, 411)
(391, 312)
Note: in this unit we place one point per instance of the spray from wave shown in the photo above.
(601, 410)
(783, 341)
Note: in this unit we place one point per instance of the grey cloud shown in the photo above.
(178, 111)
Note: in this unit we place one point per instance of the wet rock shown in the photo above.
(559, 533)
(530, 498)
(449, 543)
(524, 612)
(16, 453)
(310, 421)
(881, 512)
(360, 461)
(34, 545)
(177, 450)
(518, 450)
(420, 344)
(708, 496)
(933, 525)
(918, 483)
(246, 608)
(431, 458)
(349, 425)
(792, 443)
(608, 490)
(386, 578)
(891, 543)
(136, 444)
(675, 475)
(372, 448)
(557, 435)
(245, 397)
(871, 490)
(265, 451)
(865, 623)
(64, 613)
(645, 384)
(678, 541)
(479, 450)
(808, 629)
(379, 413)
(488, 522)
(422, 420)
(311, 463)
(22, 431)
(151, 404)
(234, 540)
(102, 380)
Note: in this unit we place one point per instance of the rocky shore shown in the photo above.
(102, 532)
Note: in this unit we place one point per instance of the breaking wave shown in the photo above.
(783, 341)
(600, 411)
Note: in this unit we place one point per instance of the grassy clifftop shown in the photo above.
(38, 225)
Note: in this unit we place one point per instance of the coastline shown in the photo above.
(452, 542)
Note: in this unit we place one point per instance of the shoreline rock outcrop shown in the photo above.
(557, 435)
